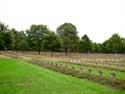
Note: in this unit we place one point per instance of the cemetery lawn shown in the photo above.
(20, 77)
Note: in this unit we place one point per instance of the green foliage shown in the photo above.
(123, 45)
(113, 44)
(35, 35)
(85, 44)
(16, 38)
(2, 41)
(23, 45)
(68, 34)
(96, 47)
(9, 40)
(39, 37)
(3, 30)
(51, 41)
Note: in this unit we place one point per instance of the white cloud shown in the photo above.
(99, 19)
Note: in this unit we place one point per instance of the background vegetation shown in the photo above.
(65, 39)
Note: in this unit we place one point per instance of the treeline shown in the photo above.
(65, 39)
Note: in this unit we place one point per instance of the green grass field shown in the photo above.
(19, 77)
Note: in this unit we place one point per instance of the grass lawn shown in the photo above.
(19, 77)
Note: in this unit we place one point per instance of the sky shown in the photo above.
(99, 19)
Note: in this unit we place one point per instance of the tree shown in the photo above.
(68, 34)
(96, 47)
(116, 43)
(85, 44)
(113, 44)
(15, 35)
(23, 45)
(123, 45)
(3, 29)
(9, 40)
(51, 41)
(1, 41)
(35, 35)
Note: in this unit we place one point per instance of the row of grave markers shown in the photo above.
(113, 74)
(94, 62)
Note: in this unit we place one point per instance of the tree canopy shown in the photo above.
(85, 44)
(35, 35)
(68, 34)
(65, 39)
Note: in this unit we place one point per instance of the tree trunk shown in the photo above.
(51, 51)
(39, 50)
(65, 51)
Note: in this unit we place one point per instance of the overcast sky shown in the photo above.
(99, 19)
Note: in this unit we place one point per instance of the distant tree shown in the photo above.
(2, 41)
(123, 45)
(51, 41)
(85, 44)
(96, 47)
(77, 45)
(15, 35)
(35, 35)
(3, 29)
(9, 40)
(113, 44)
(31, 43)
(39, 37)
(23, 45)
(68, 34)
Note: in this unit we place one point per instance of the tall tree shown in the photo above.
(35, 35)
(113, 44)
(2, 41)
(9, 40)
(123, 45)
(15, 35)
(51, 41)
(85, 44)
(68, 34)
(3, 29)
(96, 47)
(23, 45)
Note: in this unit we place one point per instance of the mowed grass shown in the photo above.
(95, 70)
(19, 77)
